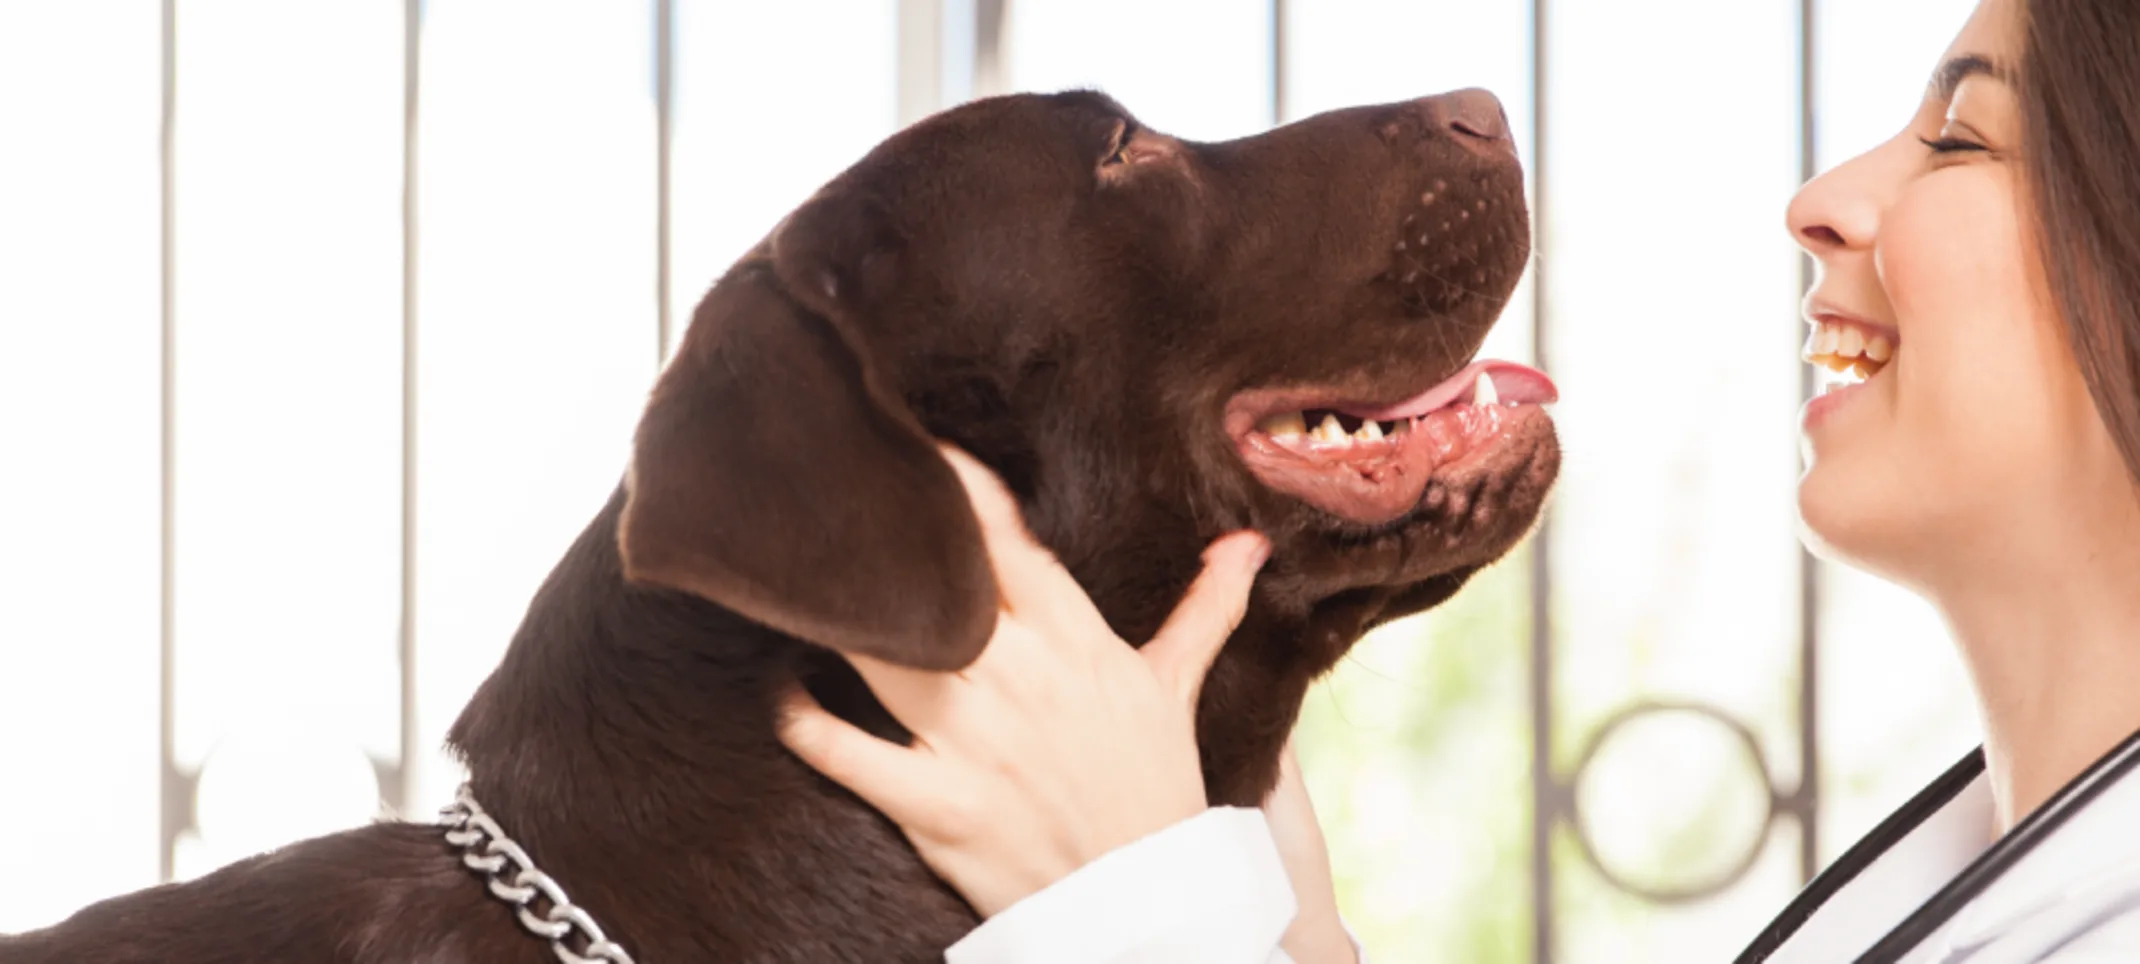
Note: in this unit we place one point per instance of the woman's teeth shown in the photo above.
(1846, 348)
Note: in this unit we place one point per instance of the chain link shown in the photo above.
(511, 877)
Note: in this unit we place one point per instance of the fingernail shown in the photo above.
(1250, 557)
(1259, 551)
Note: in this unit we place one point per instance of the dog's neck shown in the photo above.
(629, 728)
(626, 740)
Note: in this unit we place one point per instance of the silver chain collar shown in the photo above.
(511, 876)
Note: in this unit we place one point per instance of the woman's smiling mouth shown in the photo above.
(1843, 344)
(1853, 348)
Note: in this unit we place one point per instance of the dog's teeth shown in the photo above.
(1370, 431)
(1284, 425)
(1330, 430)
(1485, 395)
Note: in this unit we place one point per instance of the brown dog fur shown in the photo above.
(1074, 308)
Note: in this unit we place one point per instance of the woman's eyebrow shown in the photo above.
(1951, 74)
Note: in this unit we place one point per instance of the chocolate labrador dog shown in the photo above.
(1152, 341)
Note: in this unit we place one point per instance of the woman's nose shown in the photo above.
(1813, 222)
(1839, 210)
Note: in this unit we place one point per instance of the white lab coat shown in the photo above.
(1928, 886)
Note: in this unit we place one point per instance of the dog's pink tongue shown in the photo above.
(1514, 384)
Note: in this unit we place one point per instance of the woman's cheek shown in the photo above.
(1950, 250)
(1981, 398)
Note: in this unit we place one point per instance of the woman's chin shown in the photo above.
(1837, 519)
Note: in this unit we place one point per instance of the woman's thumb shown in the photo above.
(1182, 651)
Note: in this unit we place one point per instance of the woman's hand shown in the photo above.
(1060, 743)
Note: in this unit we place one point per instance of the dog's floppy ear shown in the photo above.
(777, 473)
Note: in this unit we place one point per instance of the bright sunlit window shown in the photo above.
(394, 364)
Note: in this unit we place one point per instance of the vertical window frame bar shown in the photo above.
(401, 792)
(175, 790)
(1805, 802)
(1545, 795)
(1279, 107)
(664, 144)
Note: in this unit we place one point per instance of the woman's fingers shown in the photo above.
(1033, 584)
(891, 777)
(1183, 650)
(1317, 932)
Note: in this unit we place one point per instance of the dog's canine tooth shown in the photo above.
(1370, 431)
(1484, 395)
(1284, 425)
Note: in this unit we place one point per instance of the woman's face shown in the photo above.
(1974, 428)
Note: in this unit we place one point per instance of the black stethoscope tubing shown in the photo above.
(1966, 886)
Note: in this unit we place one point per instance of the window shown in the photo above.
(316, 376)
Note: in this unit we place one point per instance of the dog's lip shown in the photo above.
(1379, 483)
(1516, 383)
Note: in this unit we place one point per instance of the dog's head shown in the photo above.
(1153, 341)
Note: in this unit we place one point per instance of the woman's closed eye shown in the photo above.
(1957, 136)
(1951, 145)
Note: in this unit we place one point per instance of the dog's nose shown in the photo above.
(1473, 115)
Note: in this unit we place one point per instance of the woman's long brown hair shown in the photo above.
(2080, 93)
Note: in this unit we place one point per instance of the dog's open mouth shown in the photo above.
(1369, 462)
